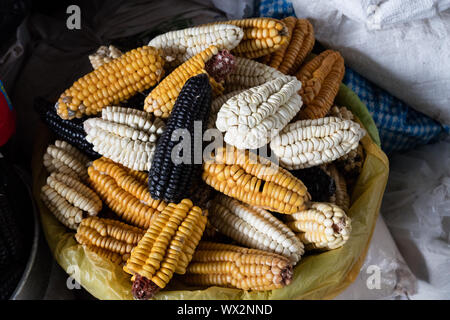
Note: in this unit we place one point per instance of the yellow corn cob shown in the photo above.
(181, 45)
(167, 247)
(108, 237)
(113, 82)
(160, 101)
(248, 74)
(104, 55)
(255, 181)
(254, 227)
(262, 36)
(321, 78)
(340, 197)
(300, 45)
(124, 192)
(64, 158)
(225, 265)
(107, 254)
(323, 226)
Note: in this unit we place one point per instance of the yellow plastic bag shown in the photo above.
(318, 276)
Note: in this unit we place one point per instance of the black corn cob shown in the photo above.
(320, 185)
(69, 130)
(169, 181)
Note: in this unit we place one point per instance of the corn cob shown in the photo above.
(251, 118)
(233, 266)
(291, 54)
(216, 104)
(69, 130)
(321, 186)
(126, 136)
(340, 197)
(108, 238)
(69, 200)
(64, 158)
(166, 247)
(323, 226)
(107, 254)
(254, 227)
(262, 36)
(67, 214)
(255, 181)
(124, 191)
(113, 82)
(181, 45)
(307, 143)
(248, 74)
(161, 100)
(351, 163)
(104, 55)
(321, 78)
(169, 180)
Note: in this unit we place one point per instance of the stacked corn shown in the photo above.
(159, 228)
(65, 193)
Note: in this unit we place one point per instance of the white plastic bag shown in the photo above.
(416, 208)
(408, 58)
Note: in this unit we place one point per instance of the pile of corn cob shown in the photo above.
(235, 219)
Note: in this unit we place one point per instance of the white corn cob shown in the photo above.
(308, 143)
(63, 157)
(251, 118)
(75, 192)
(249, 73)
(181, 45)
(254, 227)
(56, 165)
(67, 214)
(124, 135)
(104, 55)
(323, 226)
(217, 103)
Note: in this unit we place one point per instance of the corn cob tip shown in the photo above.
(286, 274)
(220, 65)
(143, 288)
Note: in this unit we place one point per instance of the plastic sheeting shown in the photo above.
(416, 209)
(317, 276)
